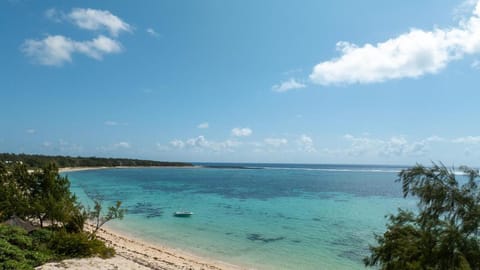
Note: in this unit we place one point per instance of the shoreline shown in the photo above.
(76, 169)
(134, 253)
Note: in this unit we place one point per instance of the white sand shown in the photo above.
(135, 254)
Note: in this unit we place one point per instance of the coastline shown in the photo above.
(132, 253)
(76, 169)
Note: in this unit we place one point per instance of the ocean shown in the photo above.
(262, 216)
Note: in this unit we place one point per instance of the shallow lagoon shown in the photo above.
(274, 216)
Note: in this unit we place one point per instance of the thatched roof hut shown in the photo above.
(18, 222)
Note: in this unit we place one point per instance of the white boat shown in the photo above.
(183, 213)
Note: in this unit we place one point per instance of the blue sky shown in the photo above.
(243, 81)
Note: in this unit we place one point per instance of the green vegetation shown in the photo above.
(114, 212)
(43, 196)
(19, 250)
(443, 233)
(39, 161)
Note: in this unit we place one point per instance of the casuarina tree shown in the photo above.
(443, 233)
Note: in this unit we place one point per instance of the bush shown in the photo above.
(15, 236)
(18, 251)
(78, 245)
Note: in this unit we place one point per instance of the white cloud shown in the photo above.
(409, 55)
(124, 145)
(306, 144)
(53, 15)
(203, 125)
(276, 142)
(467, 140)
(288, 85)
(177, 143)
(435, 138)
(31, 131)
(63, 146)
(56, 50)
(94, 19)
(465, 8)
(152, 32)
(242, 132)
(394, 146)
(201, 143)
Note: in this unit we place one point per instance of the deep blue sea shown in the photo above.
(263, 216)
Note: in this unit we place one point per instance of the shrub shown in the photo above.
(18, 251)
(78, 245)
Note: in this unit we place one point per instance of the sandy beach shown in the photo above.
(76, 169)
(135, 254)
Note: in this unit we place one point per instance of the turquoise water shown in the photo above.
(275, 216)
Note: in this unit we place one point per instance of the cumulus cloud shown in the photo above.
(409, 55)
(203, 125)
(56, 50)
(177, 143)
(467, 140)
(275, 142)
(241, 132)
(305, 144)
(393, 146)
(201, 143)
(288, 85)
(94, 19)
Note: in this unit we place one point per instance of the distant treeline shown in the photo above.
(38, 161)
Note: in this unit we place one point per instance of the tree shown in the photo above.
(15, 184)
(114, 212)
(42, 195)
(443, 233)
(51, 197)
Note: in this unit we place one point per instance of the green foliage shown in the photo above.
(443, 234)
(44, 195)
(78, 245)
(114, 212)
(40, 161)
(18, 250)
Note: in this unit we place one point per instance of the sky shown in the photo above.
(333, 81)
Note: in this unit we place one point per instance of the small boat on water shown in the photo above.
(183, 214)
